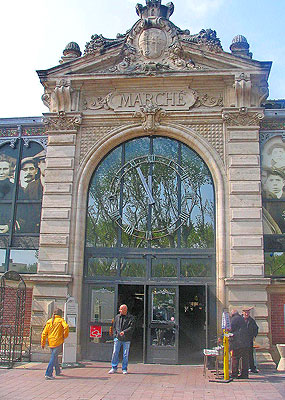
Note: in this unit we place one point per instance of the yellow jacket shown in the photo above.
(55, 332)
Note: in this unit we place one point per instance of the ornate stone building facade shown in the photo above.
(152, 191)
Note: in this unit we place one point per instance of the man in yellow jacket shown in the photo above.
(55, 331)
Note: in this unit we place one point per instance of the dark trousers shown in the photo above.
(237, 355)
(250, 358)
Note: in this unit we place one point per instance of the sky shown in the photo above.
(34, 34)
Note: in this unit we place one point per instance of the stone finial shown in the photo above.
(240, 47)
(154, 8)
(71, 51)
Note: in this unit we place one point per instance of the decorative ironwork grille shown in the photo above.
(12, 315)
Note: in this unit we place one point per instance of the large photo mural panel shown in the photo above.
(273, 184)
(8, 158)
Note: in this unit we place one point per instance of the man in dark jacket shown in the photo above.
(239, 345)
(123, 328)
(252, 329)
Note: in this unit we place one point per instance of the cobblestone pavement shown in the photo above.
(153, 382)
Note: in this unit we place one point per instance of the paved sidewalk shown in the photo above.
(143, 382)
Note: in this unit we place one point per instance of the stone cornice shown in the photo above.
(248, 281)
(47, 278)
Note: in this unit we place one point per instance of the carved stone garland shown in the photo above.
(242, 117)
(63, 121)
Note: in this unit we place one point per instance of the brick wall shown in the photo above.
(10, 303)
(277, 318)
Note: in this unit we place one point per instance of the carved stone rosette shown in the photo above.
(62, 121)
(150, 117)
(242, 117)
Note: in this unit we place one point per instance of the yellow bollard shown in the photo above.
(226, 327)
(226, 356)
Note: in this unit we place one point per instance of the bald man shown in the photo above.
(123, 327)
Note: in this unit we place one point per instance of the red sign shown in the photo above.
(95, 331)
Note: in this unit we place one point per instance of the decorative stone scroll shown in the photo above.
(62, 121)
(150, 116)
(207, 100)
(242, 117)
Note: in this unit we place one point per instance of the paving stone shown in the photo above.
(145, 382)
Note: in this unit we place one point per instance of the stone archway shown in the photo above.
(116, 137)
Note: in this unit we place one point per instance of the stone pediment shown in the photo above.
(154, 45)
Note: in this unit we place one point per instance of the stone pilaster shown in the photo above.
(246, 284)
(57, 198)
(51, 284)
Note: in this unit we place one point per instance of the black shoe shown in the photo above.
(243, 377)
(254, 371)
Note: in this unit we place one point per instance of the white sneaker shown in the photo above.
(49, 378)
(125, 371)
(112, 371)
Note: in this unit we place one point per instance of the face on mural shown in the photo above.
(263, 177)
(274, 184)
(29, 172)
(42, 166)
(278, 156)
(4, 170)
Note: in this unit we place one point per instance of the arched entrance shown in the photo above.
(150, 243)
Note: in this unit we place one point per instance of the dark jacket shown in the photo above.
(252, 328)
(240, 338)
(6, 189)
(125, 323)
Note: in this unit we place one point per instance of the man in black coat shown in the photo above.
(123, 327)
(6, 192)
(239, 345)
(252, 329)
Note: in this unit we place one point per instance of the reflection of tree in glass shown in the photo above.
(102, 267)
(132, 150)
(275, 264)
(164, 268)
(198, 231)
(191, 268)
(133, 268)
(166, 147)
(101, 230)
(165, 192)
(135, 200)
(163, 304)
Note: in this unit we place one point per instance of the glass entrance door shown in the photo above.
(163, 328)
(97, 320)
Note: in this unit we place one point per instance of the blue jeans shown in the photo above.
(53, 362)
(115, 356)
